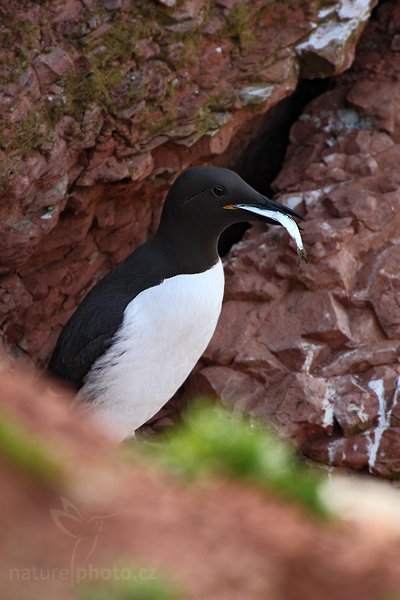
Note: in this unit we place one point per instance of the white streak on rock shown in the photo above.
(327, 404)
(310, 198)
(358, 410)
(354, 9)
(376, 385)
(310, 351)
(255, 94)
(333, 450)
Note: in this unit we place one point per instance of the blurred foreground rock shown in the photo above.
(316, 350)
(99, 513)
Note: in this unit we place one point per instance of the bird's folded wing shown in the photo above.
(81, 343)
(90, 331)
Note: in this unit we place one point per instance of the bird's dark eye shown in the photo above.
(218, 190)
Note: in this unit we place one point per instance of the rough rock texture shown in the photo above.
(103, 102)
(104, 513)
(316, 350)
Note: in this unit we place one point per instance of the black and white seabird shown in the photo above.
(139, 332)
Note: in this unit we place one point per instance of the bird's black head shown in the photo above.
(212, 197)
(204, 201)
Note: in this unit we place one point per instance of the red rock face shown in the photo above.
(103, 102)
(316, 350)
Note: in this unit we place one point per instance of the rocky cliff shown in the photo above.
(316, 350)
(104, 102)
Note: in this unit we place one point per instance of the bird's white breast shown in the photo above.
(164, 332)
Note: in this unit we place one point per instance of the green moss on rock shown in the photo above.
(239, 26)
(205, 120)
(162, 125)
(211, 441)
(83, 91)
(17, 39)
(34, 132)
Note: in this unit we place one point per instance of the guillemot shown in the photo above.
(136, 336)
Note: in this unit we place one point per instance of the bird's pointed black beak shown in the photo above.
(263, 209)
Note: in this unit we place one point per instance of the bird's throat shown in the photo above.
(194, 250)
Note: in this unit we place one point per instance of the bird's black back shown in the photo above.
(91, 329)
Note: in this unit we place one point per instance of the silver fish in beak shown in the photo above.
(272, 212)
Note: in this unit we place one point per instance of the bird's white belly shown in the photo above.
(164, 332)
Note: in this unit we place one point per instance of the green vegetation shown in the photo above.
(117, 45)
(23, 451)
(110, 53)
(34, 132)
(17, 39)
(30, 133)
(109, 57)
(239, 26)
(222, 100)
(140, 585)
(210, 441)
(81, 92)
(165, 123)
(185, 50)
(205, 120)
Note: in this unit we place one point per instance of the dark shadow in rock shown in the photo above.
(262, 160)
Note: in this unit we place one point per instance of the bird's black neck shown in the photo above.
(194, 247)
